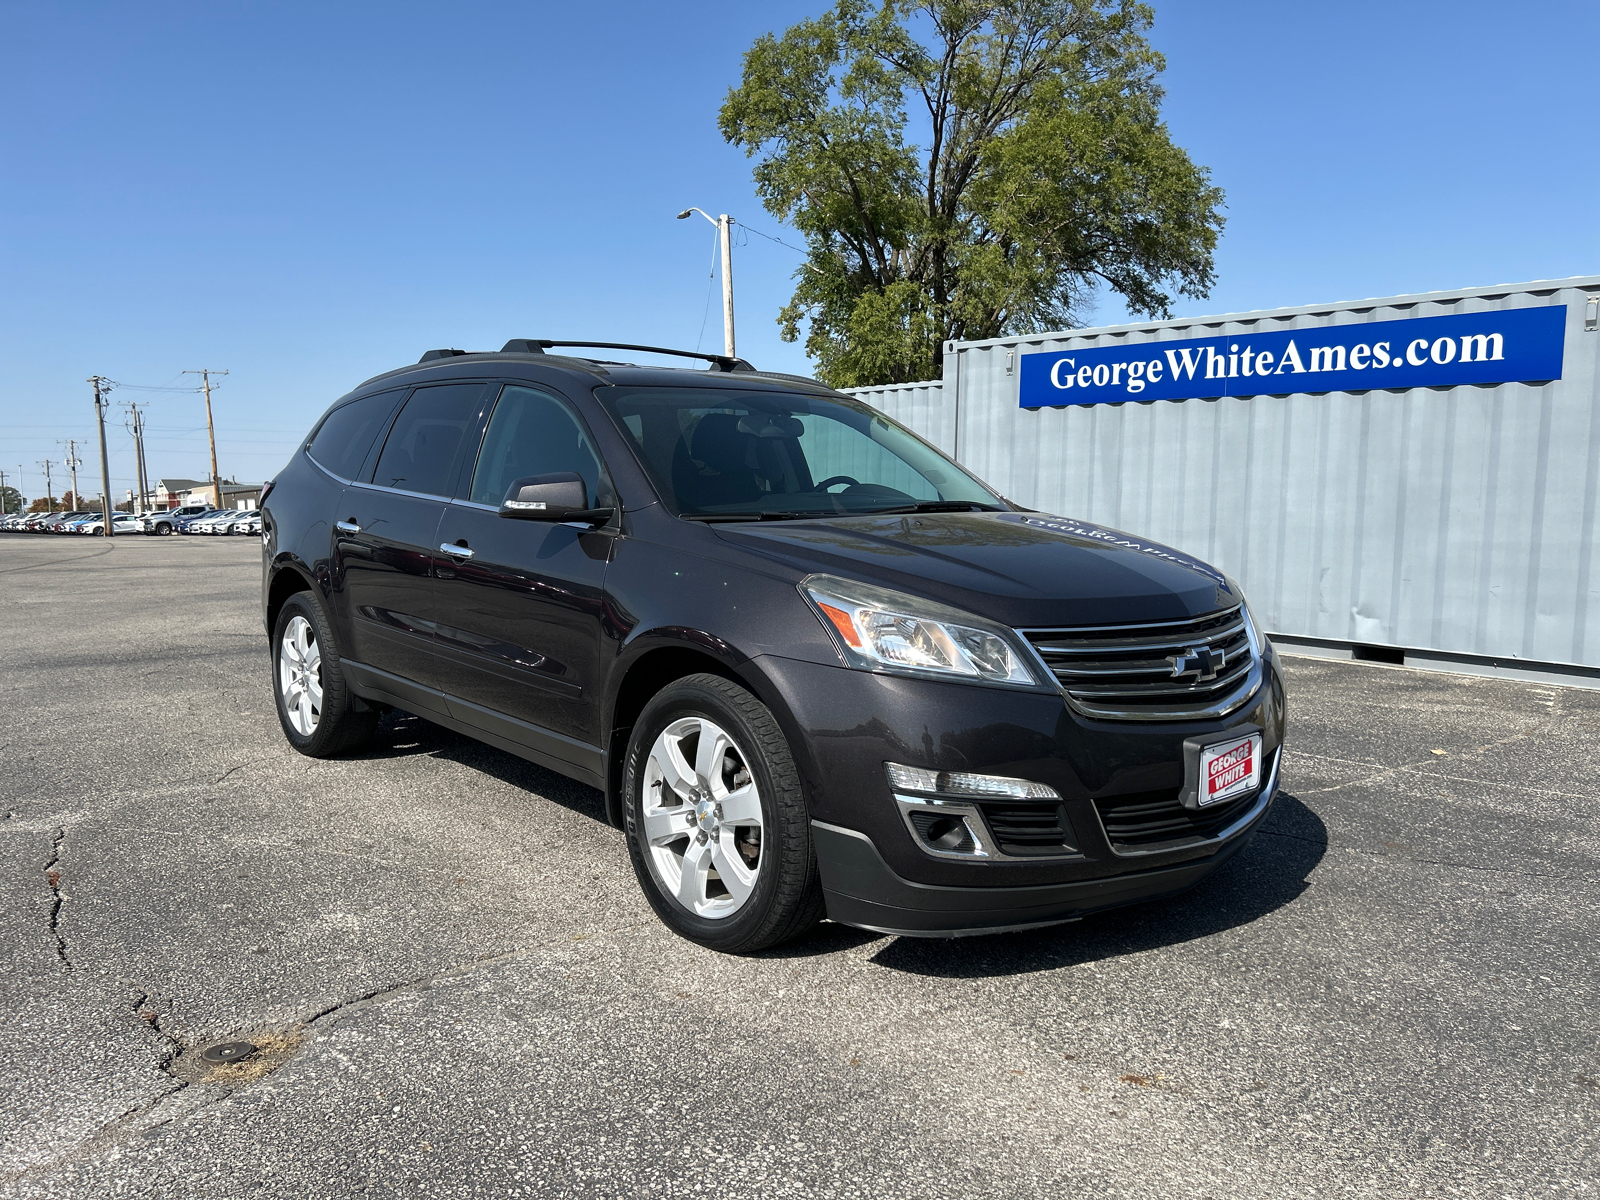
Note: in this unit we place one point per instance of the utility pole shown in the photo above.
(205, 374)
(101, 387)
(49, 494)
(73, 463)
(3, 494)
(724, 224)
(138, 454)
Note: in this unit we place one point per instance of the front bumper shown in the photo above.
(861, 889)
(844, 725)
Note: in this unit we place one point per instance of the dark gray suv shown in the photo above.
(816, 667)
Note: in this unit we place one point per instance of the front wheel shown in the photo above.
(717, 823)
(319, 714)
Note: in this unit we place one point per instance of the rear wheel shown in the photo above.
(319, 714)
(717, 822)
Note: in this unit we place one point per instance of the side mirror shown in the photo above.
(557, 497)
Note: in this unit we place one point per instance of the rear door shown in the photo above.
(520, 603)
(386, 534)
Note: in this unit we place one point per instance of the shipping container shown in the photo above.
(1451, 519)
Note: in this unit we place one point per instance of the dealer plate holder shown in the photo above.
(1189, 797)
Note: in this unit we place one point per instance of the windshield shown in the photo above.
(716, 453)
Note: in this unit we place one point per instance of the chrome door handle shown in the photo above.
(347, 527)
(456, 551)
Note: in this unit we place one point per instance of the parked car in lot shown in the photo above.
(206, 522)
(249, 522)
(162, 524)
(816, 667)
(63, 522)
(121, 523)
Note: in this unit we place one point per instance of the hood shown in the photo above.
(1021, 569)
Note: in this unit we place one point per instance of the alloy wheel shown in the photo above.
(300, 675)
(702, 818)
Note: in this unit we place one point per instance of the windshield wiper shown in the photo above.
(758, 516)
(936, 506)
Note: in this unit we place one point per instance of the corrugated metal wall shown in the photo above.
(918, 406)
(1460, 520)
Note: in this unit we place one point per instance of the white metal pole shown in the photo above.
(725, 224)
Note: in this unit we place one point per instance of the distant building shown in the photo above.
(234, 495)
(169, 493)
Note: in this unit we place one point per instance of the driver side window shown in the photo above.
(533, 433)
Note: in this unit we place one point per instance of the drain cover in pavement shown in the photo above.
(227, 1052)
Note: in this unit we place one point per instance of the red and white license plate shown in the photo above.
(1229, 769)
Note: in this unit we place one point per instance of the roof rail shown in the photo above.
(433, 354)
(721, 362)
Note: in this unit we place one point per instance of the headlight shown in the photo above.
(1258, 640)
(880, 630)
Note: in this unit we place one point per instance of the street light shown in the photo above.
(724, 225)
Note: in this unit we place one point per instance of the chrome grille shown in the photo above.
(1155, 671)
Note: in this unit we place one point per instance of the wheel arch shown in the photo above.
(288, 579)
(655, 668)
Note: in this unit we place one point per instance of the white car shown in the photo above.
(248, 523)
(120, 523)
(213, 523)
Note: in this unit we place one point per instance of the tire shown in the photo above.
(163, 530)
(758, 846)
(320, 716)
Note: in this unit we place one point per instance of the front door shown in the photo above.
(387, 538)
(520, 603)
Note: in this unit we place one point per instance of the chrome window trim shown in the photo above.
(1264, 797)
(378, 487)
(312, 459)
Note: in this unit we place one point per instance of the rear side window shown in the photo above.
(533, 433)
(419, 454)
(342, 442)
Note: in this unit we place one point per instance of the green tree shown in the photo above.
(968, 170)
(10, 500)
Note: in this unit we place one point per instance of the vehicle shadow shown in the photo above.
(402, 735)
(1272, 871)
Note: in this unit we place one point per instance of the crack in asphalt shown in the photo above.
(52, 874)
(106, 1134)
(379, 995)
(252, 762)
(144, 1007)
(151, 1016)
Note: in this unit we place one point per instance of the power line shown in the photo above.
(770, 238)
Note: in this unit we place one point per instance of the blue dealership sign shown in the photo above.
(1503, 346)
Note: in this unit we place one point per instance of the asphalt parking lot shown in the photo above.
(1394, 991)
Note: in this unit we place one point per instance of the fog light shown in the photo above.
(964, 783)
(947, 833)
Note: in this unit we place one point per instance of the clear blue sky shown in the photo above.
(308, 194)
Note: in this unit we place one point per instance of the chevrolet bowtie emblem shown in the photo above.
(1202, 662)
